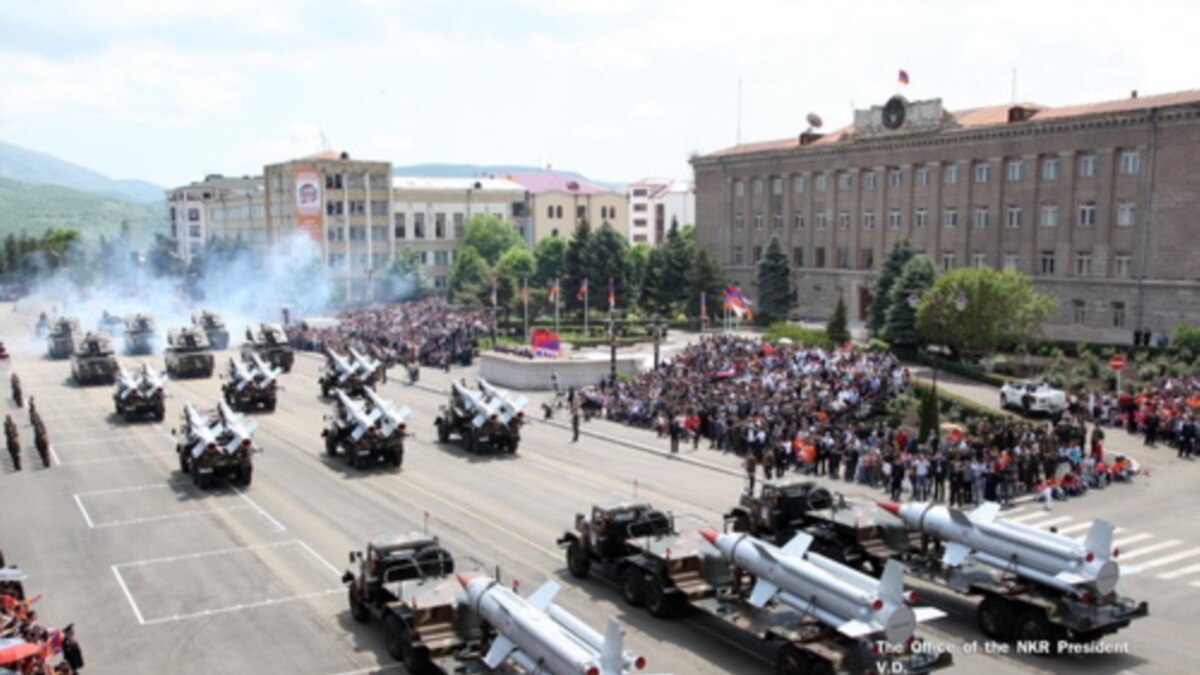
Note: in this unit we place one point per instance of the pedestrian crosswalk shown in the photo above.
(1140, 552)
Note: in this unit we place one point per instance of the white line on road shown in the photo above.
(132, 488)
(86, 517)
(1149, 549)
(105, 460)
(169, 516)
(205, 554)
(1131, 539)
(1159, 562)
(261, 510)
(1183, 571)
(129, 596)
(1027, 517)
(54, 460)
(318, 556)
(1054, 521)
(1075, 528)
(238, 608)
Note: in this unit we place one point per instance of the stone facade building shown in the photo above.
(1099, 203)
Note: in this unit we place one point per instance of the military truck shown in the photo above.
(406, 582)
(250, 386)
(139, 395)
(213, 448)
(187, 353)
(60, 343)
(480, 421)
(270, 343)
(369, 433)
(213, 326)
(139, 334)
(635, 545)
(94, 362)
(344, 373)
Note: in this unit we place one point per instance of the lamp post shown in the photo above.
(612, 342)
(960, 303)
(657, 329)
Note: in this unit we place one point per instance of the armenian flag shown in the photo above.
(738, 303)
(582, 292)
(703, 307)
(903, 76)
(612, 294)
(525, 291)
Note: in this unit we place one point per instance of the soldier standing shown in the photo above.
(41, 440)
(575, 423)
(751, 468)
(33, 414)
(13, 441)
(16, 390)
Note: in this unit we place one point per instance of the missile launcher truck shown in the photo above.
(486, 420)
(139, 395)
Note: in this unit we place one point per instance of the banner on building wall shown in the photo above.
(309, 202)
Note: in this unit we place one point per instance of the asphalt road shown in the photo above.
(158, 576)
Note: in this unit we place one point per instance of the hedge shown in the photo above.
(954, 408)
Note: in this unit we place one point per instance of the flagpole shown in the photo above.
(557, 292)
(525, 300)
(586, 292)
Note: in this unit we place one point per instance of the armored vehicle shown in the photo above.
(406, 582)
(61, 340)
(269, 342)
(369, 433)
(212, 448)
(485, 420)
(139, 395)
(187, 353)
(112, 324)
(94, 362)
(139, 334)
(250, 386)
(213, 326)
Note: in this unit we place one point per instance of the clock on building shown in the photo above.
(893, 113)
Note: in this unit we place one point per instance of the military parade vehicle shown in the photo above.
(139, 334)
(269, 342)
(113, 324)
(187, 353)
(351, 374)
(218, 447)
(213, 327)
(406, 583)
(250, 386)
(139, 395)
(60, 343)
(636, 545)
(94, 362)
(369, 432)
(486, 420)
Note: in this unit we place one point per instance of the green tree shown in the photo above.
(639, 258)
(576, 265)
(12, 254)
(836, 329)
(162, 257)
(679, 253)
(774, 285)
(515, 266)
(900, 254)
(470, 278)
(551, 256)
(403, 277)
(997, 307)
(927, 413)
(607, 257)
(491, 236)
(900, 327)
(708, 277)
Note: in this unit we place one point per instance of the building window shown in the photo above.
(776, 185)
(333, 208)
(439, 282)
(639, 207)
(844, 180)
(1013, 216)
(738, 221)
(358, 233)
(418, 226)
(798, 256)
(758, 186)
(822, 220)
(441, 258)
(895, 178)
(194, 231)
(1122, 264)
(921, 218)
(799, 218)
(979, 260)
(868, 220)
(1049, 215)
(983, 172)
(950, 174)
(358, 207)
(894, 219)
(460, 227)
(983, 216)
(922, 176)
(1087, 214)
(333, 181)
(1050, 168)
(639, 192)
(1131, 162)
(739, 188)
(549, 211)
(739, 254)
(843, 258)
(950, 217)
(799, 184)
(581, 212)
(1118, 312)
(777, 221)
(398, 220)
(439, 226)
(1126, 213)
(843, 220)
(867, 258)
(822, 181)
(193, 215)
(558, 212)
(757, 251)
(1012, 262)
(1048, 263)
(820, 258)
(758, 221)
(337, 260)
(1016, 170)
(1087, 164)
(947, 261)
(1083, 264)
(869, 180)
(1078, 312)
(379, 233)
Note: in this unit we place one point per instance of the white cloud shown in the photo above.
(648, 110)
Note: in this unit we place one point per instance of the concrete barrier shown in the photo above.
(514, 372)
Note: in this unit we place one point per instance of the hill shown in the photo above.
(37, 208)
(35, 168)
(497, 170)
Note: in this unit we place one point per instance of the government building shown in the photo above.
(1099, 203)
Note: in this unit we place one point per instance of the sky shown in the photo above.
(171, 90)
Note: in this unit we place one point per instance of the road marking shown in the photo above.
(132, 488)
(1054, 521)
(1183, 571)
(1027, 517)
(129, 596)
(1074, 528)
(1159, 562)
(206, 554)
(261, 511)
(1131, 539)
(86, 517)
(168, 516)
(1116, 531)
(1149, 549)
(318, 556)
(54, 460)
(242, 607)
(105, 460)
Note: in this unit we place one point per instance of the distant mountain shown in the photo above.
(37, 208)
(497, 170)
(26, 166)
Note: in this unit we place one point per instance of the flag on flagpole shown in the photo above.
(582, 292)
(703, 307)
(738, 303)
(612, 295)
(525, 291)
(903, 76)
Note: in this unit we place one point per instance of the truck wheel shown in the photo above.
(821, 666)
(443, 432)
(397, 459)
(995, 617)
(1034, 626)
(792, 661)
(160, 412)
(416, 660)
(330, 445)
(658, 602)
(577, 562)
(199, 480)
(741, 522)
(633, 586)
(358, 609)
(247, 475)
(270, 406)
(183, 464)
(395, 637)
(324, 390)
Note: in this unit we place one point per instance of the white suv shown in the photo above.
(1030, 396)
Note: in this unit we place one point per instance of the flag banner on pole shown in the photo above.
(738, 303)
(525, 291)
(612, 295)
(703, 307)
(582, 292)
(903, 76)
(545, 342)
(553, 291)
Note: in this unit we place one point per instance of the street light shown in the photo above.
(658, 330)
(612, 342)
(960, 303)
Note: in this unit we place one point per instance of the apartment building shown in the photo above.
(657, 203)
(218, 206)
(557, 203)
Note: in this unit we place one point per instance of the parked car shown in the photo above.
(1032, 396)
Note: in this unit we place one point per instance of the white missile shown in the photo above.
(363, 421)
(126, 383)
(1044, 557)
(343, 367)
(150, 382)
(241, 373)
(199, 429)
(848, 601)
(391, 418)
(503, 404)
(541, 637)
(366, 366)
(263, 373)
(475, 403)
(239, 432)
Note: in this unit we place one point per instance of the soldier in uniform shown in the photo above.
(16, 390)
(33, 414)
(41, 440)
(13, 441)
(575, 423)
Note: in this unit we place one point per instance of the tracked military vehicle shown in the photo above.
(140, 395)
(113, 324)
(60, 343)
(187, 353)
(139, 334)
(486, 420)
(213, 327)
(94, 362)
(270, 343)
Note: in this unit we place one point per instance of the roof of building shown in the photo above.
(422, 183)
(219, 182)
(987, 116)
(538, 183)
(660, 187)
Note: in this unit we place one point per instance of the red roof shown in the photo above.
(538, 183)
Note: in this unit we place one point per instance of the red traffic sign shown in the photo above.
(1117, 362)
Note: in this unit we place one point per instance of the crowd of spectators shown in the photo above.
(27, 647)
(1167, 411)
(429, 332)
